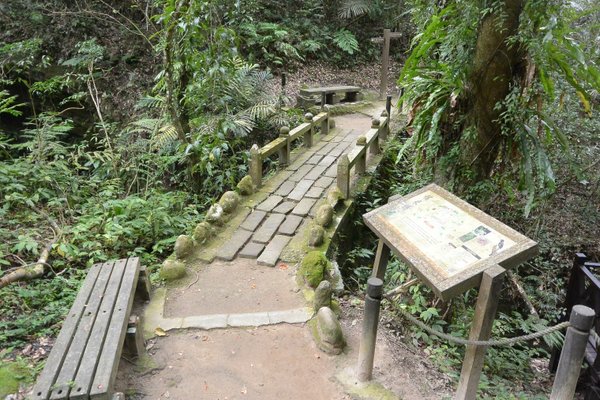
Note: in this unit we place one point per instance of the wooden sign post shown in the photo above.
(452, 247)
(385, 60)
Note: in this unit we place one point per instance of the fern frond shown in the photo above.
(165, 135)
(354, 8)
(346, 41)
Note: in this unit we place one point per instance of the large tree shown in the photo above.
(476, 81)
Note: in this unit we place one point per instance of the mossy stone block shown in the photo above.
(229, 201)
(324, 215)
(334, 196)
(316, 236)
(245, 186)
(215, 215)
(203, 232)
(330, 336)
(313, 267)
(322, 295)
(172, 270)
(183, 246)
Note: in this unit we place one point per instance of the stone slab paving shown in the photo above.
(300, 172)
(314, 159)
(229, 250)
(324, 182)
(315, 173)
(271, 253)
(253, 220)
(270, 203)
(300, 190)
(285, 207)
(303, 207)
(268, 229)
(285, 188)
(289, 226)
(251, 250)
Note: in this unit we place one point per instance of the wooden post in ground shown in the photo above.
(565, 381)
(374, 147)
(382, 257)
(308, 135)
(256, 165)
(481, 329)
(343, 175)
(284, 152)
(366, 352)
(385, 62)
(388, 104)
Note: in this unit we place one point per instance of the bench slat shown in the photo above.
(44, 383)
(115, 337)
(87, 369)
(71, 363)
(329, 89)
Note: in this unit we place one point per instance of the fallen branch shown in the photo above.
(37, 269)
(513, 279)
(400, 288)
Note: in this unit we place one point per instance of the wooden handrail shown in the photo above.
(283, 143)
(357, 157)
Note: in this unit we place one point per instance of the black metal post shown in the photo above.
(366, 352)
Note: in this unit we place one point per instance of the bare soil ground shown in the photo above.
(235, 287)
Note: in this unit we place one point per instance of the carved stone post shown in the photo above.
(374, 148)
(385, 131)
(343, 175)
(308, 135)
(256, 165)
(284, 152)
(361, 161)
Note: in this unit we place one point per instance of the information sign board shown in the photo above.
(447, 241)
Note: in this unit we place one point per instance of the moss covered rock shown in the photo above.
(172, 270)
(313, 267)
(322, 296)
(324, 215)
(245, 186)
(11, 376)
(215, 215)
(183, 246)
(330, 337)
(334, 196)
(229, 201)
(202, 232)
(316, 236)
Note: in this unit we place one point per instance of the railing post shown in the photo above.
(385, 131)
(325, 125)
(343, 175)
(308, 135)
(374, 148)
(571, 356)
(361, 161)
(388, 104)
(366, 352)
(256, 165)
(284, 152)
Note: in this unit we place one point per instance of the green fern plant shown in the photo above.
(346, 41)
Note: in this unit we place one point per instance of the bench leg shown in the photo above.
(142, 291)
(134, 340)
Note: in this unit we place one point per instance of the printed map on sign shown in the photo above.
(450, 237)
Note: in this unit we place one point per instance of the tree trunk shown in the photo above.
(496, 65)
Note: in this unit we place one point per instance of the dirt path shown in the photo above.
(239, 331)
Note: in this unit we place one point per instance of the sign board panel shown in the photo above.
(447, 241)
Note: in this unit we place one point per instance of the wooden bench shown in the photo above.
(328, 95)
(84, 359)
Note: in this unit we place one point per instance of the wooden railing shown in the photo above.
(357, 158)
(283, 143)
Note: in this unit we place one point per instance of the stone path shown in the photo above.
(269, 228)
(238, 330)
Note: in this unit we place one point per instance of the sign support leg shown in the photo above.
(381, 260)
(481, 329)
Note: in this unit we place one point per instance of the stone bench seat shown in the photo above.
(329, 95)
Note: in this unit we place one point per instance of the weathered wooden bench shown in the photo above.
(328, 95)
(85, 357)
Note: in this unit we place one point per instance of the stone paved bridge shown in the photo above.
(235, 328)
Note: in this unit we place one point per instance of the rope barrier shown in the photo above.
(493, 342)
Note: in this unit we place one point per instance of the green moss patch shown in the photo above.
(313, 267)
(11, 375)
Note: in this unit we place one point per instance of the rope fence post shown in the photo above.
(256, 165)
(308, 135)
(284, 152)
(569, 366)
(366, 352)
(481, 329)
